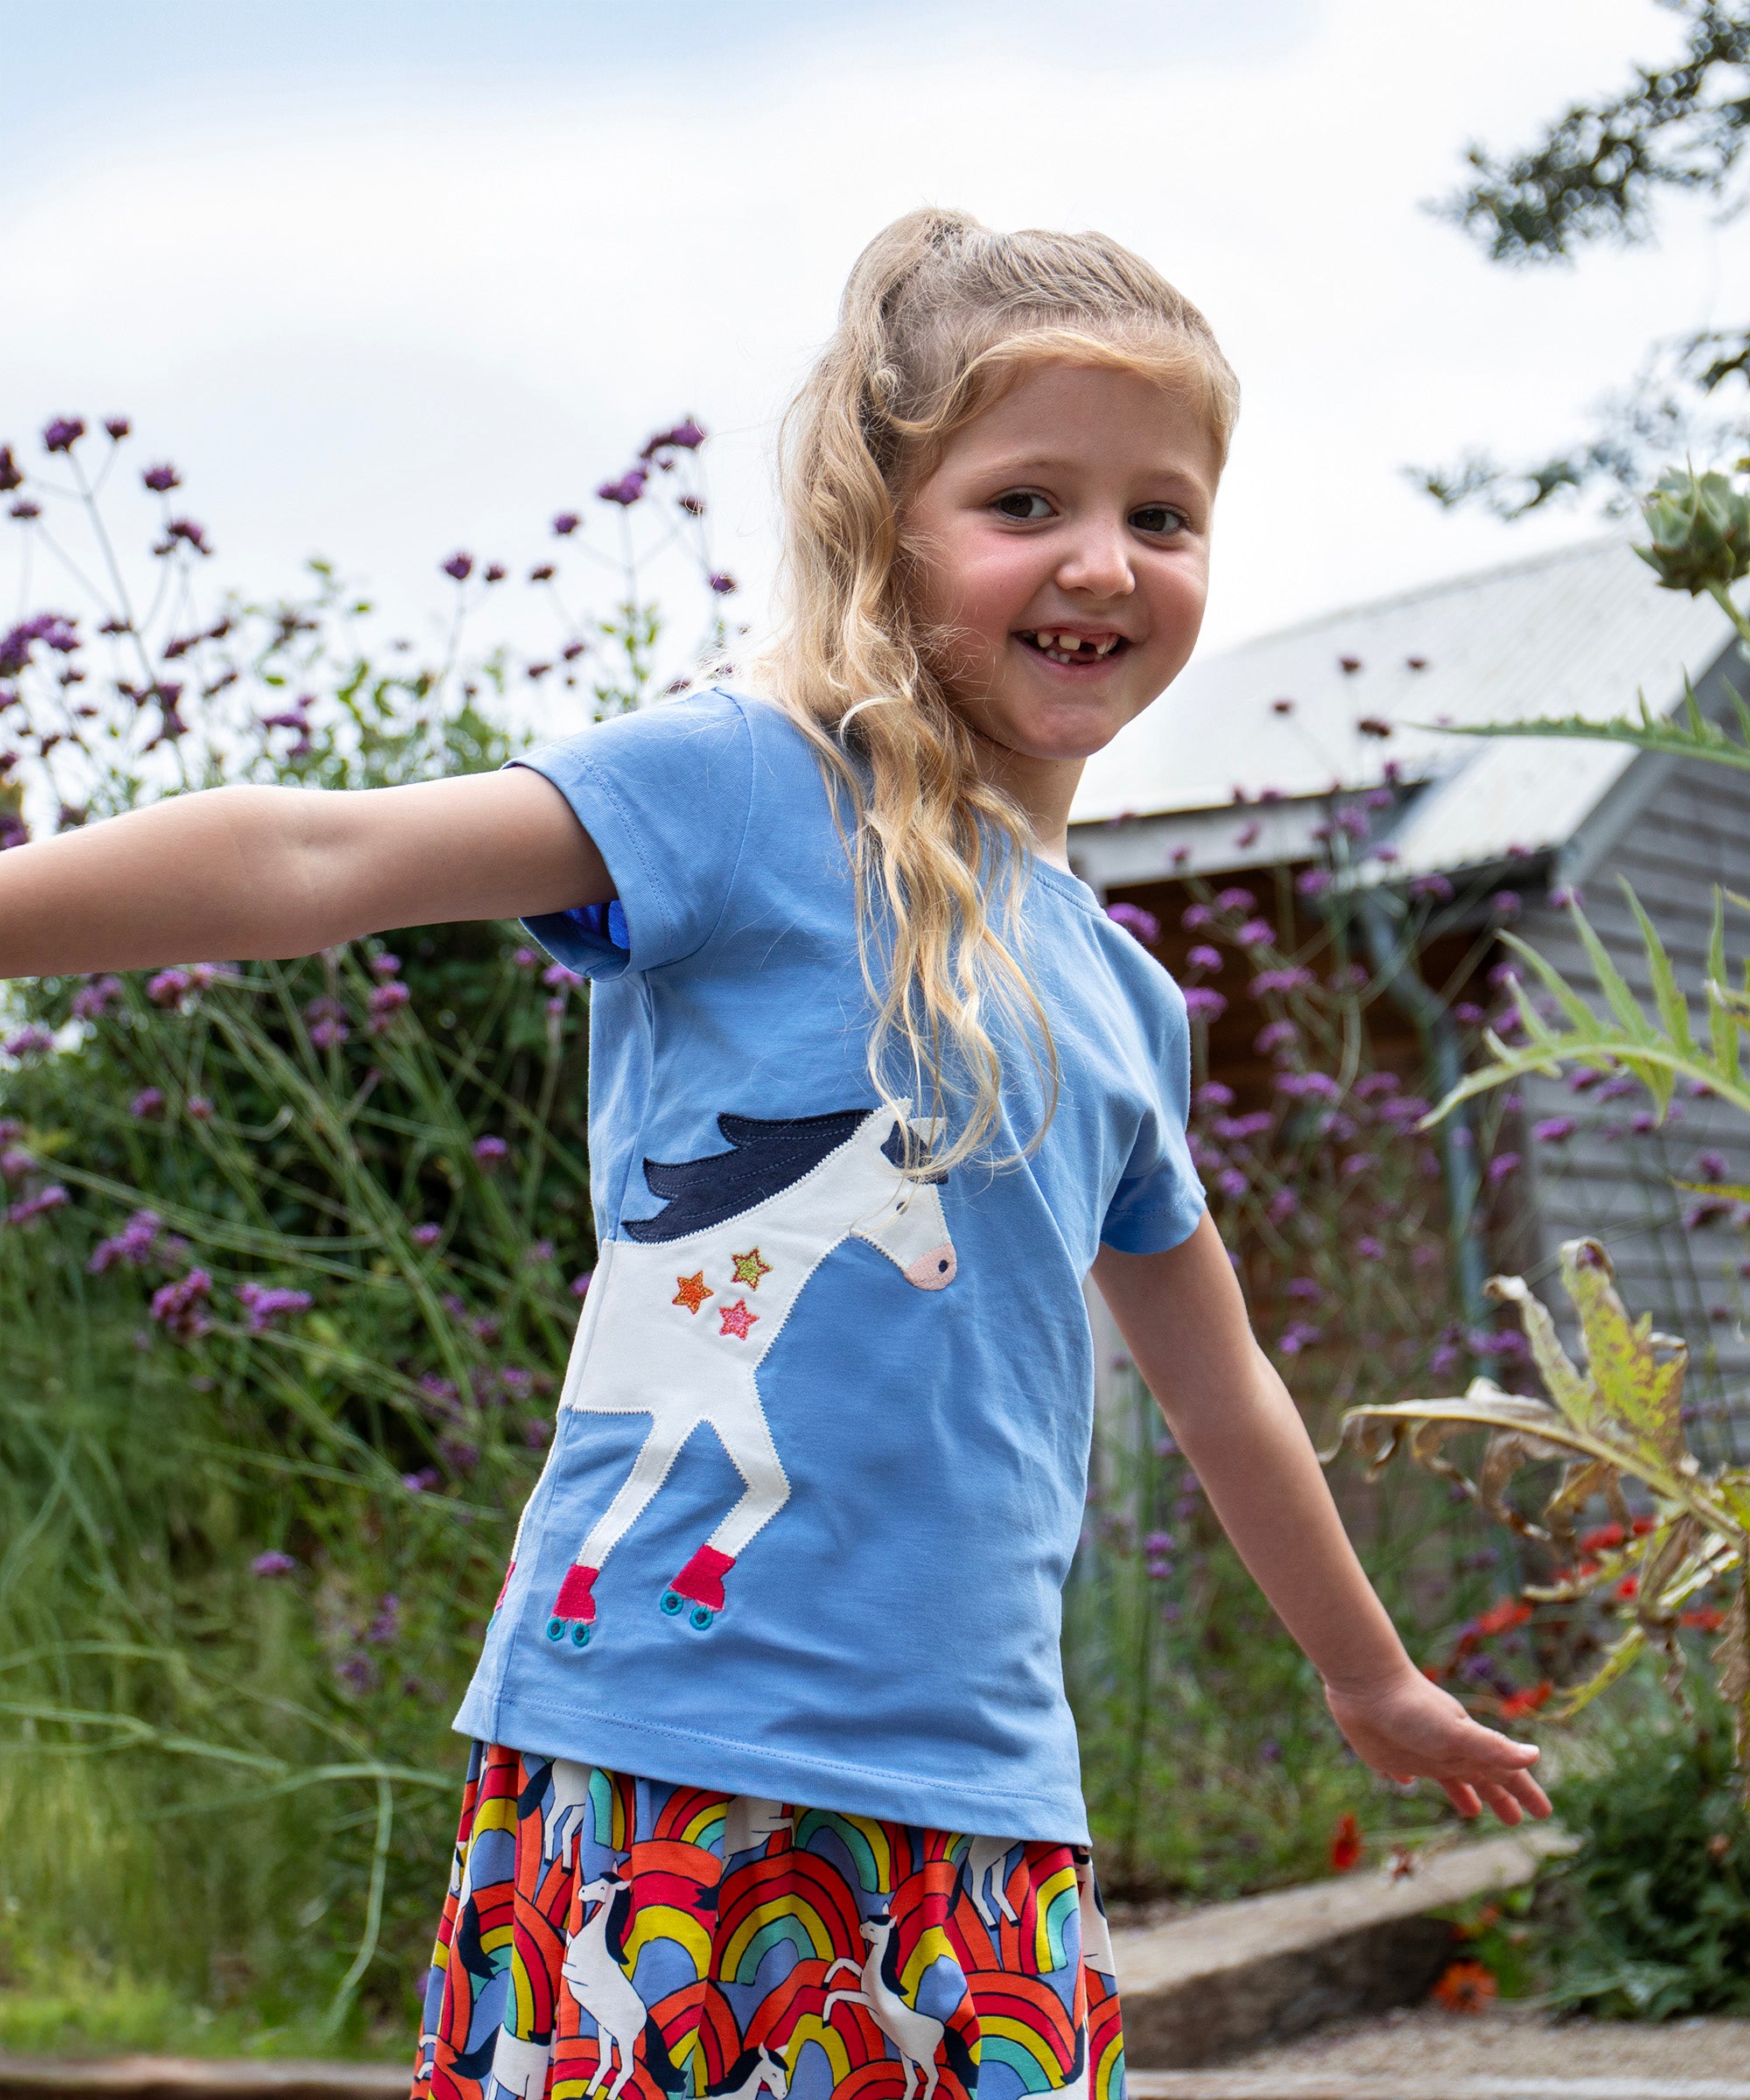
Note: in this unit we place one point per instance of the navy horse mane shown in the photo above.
(764, 1158)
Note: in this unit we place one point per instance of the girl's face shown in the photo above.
(1064, 539)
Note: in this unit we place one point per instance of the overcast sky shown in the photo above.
(387, 279)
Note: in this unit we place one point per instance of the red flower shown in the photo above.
(1644, 1525)
(1466, 1987)
(1627, 1589)
(1519, 1703)
(1603, 1539)
(1502, 1618)
(1346, 1845)
(1705, 1619)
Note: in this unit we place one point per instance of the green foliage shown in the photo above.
(1595, 175)
(1650, 1918)
(1621, 1417)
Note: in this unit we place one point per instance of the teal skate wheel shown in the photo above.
(556, 1629)
(671, 1603)
(701, 1616)
(580, 1635)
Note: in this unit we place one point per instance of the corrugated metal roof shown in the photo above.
(1581, 631)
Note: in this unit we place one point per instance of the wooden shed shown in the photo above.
(1239, 766)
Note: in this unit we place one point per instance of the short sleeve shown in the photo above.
(1160, 1198)
(665, 793)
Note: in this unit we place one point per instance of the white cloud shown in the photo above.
(385, 331)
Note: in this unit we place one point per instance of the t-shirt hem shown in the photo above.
(689, 1757)
(1156, 1230)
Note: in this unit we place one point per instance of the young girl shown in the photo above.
(773, 1784)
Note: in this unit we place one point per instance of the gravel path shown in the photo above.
(1509, 2041)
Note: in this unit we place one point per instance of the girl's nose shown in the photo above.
(1098, 565)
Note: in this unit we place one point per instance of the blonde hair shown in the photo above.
(941, 316)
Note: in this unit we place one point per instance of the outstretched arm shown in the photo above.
(245, 873)
(1183, 1317)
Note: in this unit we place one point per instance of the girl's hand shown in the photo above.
(1411, 1729)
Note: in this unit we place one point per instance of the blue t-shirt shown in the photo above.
(822, 1449)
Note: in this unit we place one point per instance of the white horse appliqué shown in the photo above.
(683, 1310)
(592, 1971)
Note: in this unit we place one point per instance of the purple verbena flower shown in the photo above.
(580, 1283)
(490, 1150)
(273, 1565)
(385, 1001)
(1204, 1004)
(420, 1482)
(92, 1001)
(461, 566)
(525, 958)
(1275, 1036)
(63, 433)
(1505, 904)
(264, 1304)
(385, 965)
(385, 1629)
(15, 1163)
(1712, 1166)
(161, 479)
(627, 491)
(200, 1108)
(426, 1235)
(566, 523)
(1134, 920)
(168, 986)
(1312, 882)
(1232, 1182)
(1298, 1334)
(1368, 1248)
(1554, 1130)
(11, 475)
(189, 533)
(1256, 933)
(1281, 982)
(138, 1243)
(1430, 889)
(559, 977)
(722, 584)
(177, 1306)
(1204, 957)
(50, 1198)
(1357, 1163)
(33, 1042)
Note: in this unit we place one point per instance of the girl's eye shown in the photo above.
(1026, 504)
(1158, 518)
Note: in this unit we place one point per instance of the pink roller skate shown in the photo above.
(574, 1608)
(699, 1585)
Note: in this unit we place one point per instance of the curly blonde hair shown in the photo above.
(941, 316)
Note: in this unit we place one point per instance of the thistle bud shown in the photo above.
(1700, 526)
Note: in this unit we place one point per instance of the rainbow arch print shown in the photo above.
(699, 1977)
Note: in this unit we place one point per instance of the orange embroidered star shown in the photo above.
(736, 1320)
(749, 1268)
(693, 1292)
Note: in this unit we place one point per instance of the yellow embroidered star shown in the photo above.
(693, 1292)
(749, 1268)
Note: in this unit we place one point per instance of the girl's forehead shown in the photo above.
(1065, 415)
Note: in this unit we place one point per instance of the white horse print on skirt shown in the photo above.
(683, 1310)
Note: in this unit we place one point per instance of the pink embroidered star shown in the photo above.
(736, 1320)
(749, 1268)
(693, 1292)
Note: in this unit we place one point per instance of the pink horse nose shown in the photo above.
(933, 1270)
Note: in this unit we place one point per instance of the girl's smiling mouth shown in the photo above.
(1061, 646)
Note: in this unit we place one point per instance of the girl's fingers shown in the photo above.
(1526, 1790)
(1505, 1808)
(1463, 1798)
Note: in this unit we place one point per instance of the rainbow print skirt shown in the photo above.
(605, 1935)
